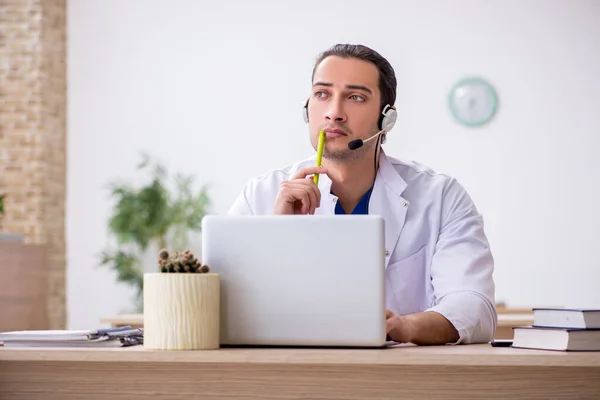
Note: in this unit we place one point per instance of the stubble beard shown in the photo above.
(346, 155)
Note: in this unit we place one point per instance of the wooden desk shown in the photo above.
(503, 331)
(134, 320)
(435, 372)
(23, 286)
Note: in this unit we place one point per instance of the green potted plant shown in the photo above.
(181, 304)
(159, 213)
(2, 196)
(6, 237)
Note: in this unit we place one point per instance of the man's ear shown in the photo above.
(305, 111)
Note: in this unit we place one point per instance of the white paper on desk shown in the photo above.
(47, 335)
(101, 342)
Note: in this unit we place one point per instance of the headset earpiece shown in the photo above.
(305, 111)
(387, 119)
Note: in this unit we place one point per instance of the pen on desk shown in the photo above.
(319, 154)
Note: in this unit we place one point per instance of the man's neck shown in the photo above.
(351, 180)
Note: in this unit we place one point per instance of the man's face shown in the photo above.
(345, 102)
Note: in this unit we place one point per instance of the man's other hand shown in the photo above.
(396, 327)
(421, 328)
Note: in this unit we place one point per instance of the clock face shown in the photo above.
(473, 102)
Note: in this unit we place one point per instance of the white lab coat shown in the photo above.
(438, 256)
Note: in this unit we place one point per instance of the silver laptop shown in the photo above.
(307, 280)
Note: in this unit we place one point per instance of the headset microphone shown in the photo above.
(358, 143)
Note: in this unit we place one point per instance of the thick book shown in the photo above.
(572, 318)
(565, 339)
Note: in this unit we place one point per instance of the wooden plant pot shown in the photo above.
(181, 311)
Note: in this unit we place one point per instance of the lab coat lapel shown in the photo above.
(387, 201)
(328, 201)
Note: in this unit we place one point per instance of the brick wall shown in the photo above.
(33, 133)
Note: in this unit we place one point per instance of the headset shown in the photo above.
(387, 119)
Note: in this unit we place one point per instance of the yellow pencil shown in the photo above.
(319, 154)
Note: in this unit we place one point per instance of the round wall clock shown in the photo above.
(473, 102)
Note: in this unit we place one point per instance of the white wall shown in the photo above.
(215, 88)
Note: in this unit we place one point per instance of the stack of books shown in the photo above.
(563, 329)
(113, 337)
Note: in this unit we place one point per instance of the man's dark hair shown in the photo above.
(387, 77)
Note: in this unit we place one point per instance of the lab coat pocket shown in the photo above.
(409, 281)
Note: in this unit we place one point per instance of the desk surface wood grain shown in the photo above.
(436, 372)
(471, 355)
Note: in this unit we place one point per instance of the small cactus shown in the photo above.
(180, 262)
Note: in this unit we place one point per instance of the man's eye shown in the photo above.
(320, 94)
(357, 97)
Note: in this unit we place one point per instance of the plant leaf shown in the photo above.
(127, 265)
(151, 213)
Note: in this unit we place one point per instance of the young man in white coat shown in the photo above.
(439, 266)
